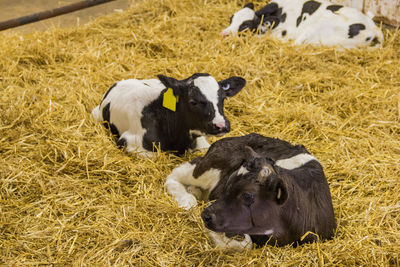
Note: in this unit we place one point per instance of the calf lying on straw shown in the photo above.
(265, 191)
(310, 22)
(174, 115)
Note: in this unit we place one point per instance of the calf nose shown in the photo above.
(225, 33)
(221, 125)
(208, 218)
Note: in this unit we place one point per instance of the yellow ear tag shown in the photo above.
(170, 100)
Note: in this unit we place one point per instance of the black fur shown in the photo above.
(171, 130)
(106, 117)
(309, 7)
(108, 91)
(334, 8)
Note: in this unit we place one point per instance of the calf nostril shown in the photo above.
(221, 125)
(207, 218)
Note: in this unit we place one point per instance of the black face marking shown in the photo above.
(354, 29)
(334, 8)
(106, 112)
(271, 14)
(284, 33)
(106, 117)
(374, 41)
(108, 91)
(249, 5)
(309, 7)
(114, 130)
(283, 17)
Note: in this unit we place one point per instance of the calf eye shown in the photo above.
(248, 199)
(192, 102)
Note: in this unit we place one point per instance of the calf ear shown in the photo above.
(249, 5)
(232, 85)
(170, 82)
(278, 188)
(267, 10)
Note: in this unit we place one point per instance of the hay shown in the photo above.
(69, 196)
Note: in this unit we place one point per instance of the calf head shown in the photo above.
(268, 17)
(252, 200)
(241, 20)
(201, 101)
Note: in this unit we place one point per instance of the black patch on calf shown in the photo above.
(334, 8)
(106, 117)
(121, 142)
(354, 29)
(309, 7)
(249, 5)
(271, 14)
(106, 112)
(108, 91)
(284, 33)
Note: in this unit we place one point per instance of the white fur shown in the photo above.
(242, 170)
(182, 177)
(323, 27)
(222, 241)
(201, 144)
(209, 88)
(269, 232)
(295, 161)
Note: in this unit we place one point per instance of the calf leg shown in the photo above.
(133, 143)
(222, 241)
(200, 143)
(175, 185)
(181, 180)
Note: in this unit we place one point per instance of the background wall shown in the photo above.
(387, 11)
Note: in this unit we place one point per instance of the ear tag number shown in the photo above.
(170, 100)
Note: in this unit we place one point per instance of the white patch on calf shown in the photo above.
(182, 176)
(269, 232)
(209, 88)
(237, 20)
(295, 161)
(242, 170)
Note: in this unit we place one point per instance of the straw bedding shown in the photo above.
(70, 196)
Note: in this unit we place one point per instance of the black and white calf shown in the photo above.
(264, 190)
(172, 114)
(317, 22)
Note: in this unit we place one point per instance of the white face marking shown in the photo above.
(295, 161)
(237, 20)
(269, 232)
(242, 170)
(209, 88)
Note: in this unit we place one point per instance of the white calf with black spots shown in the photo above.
(174, 115)
(316, 22)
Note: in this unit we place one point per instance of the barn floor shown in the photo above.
(68, 196)
(18, 8)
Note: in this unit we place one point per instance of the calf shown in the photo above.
(264, 190)
(172, 114)
(316, 22)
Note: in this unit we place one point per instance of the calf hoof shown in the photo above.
(187, 201)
